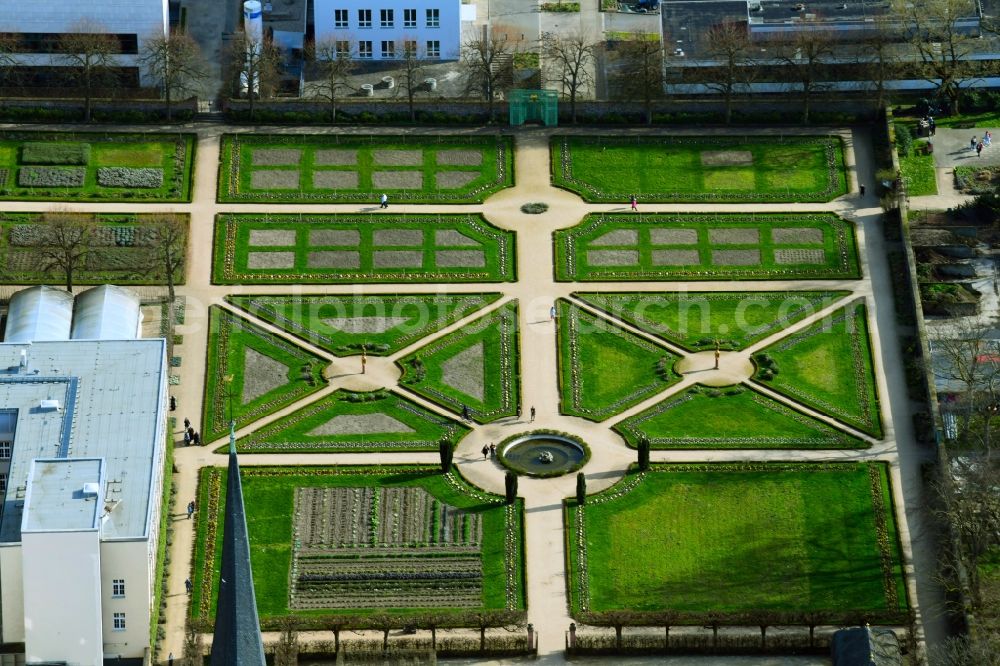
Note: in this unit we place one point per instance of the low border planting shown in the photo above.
(650, 159)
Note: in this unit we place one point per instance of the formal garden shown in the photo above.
(252, 373)
(341, 169)
(785, 537)
(473, 371)
(95, 166)
(123, 249)
(365, 541)
(676, 169)
(381, 324)
(603, 368)
(352, 421)
(618, 246)
(356, 248)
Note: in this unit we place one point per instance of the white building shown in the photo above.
(38, 27)
(82, 442)
(431, 29)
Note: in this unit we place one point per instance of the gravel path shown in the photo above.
(360, 424)
(464, 371)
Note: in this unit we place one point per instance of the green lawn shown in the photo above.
(731, 418)
(476, 366)
(381, 323)
(828, 366)
(918, 172)
(614, 247)
(686, 169)
(605, 369)
(267, 373)
(122, 252)
(310, 168)
(269, 498)
(66, 166)
(295, 249)
(697, 320)
(378, 421)
(738, 537)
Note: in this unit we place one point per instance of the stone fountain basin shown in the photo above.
(523, 454)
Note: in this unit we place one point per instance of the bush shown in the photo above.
(560, 6)
(51, 176)
(534, 208)
(55, 153)
(904, 140)
(146, 177)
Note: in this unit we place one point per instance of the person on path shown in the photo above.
(987, 139)
(979, 149)
(486, 452)
(188, 586)
(931, 126)
(519, 412)
(532, 414)
(190, 510)
(187, 423)
(187, 438)
(493, 450)
(170, 659)
(552, 313)
(384, 201)
(973, 142)
(635, 207)
(466, 414)
(861, 190)
(196, 439)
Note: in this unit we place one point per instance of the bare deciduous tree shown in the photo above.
(333, 62)
(806, 57)
(729, 47)
(193, 653)
(168, 235)
(570, 60)
(254, 65)
(943, 45)
(67, 239)
(640, 73)
(411, 76)
(286, 651)
(878, 58)
(90, 56)
(487, 61)
(176, 63)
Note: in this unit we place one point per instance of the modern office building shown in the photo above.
(82, 443)
(38, 29)
(432, 29)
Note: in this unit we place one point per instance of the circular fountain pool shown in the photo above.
(543, 454)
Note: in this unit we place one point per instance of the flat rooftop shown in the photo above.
(81, 399)
(64, 494)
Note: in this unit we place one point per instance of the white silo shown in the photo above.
(253, 21)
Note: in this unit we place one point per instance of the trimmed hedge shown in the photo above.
(55, 153)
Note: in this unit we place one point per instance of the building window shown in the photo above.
(385, 18)
(364, 49)
(3, 484)
(118, 587)
(433, 48)
(409, 18)
(5, 450)
(343, 48)
(433, 18)
(364, 18)
(388, 49)
(119, 622)
(340, 18)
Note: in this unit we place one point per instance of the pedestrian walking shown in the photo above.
(973, 142)
(987, 139)
(191, 431)
(196, 439)
(635, 203)
(187, 423)
(493, 450)
(190, 510)
(486, 451)
(979, 149)
(187, 438)
(519, 412)
(170, 659)
(532, 414)
(188, 586)
(173, 404)
(931, 126)
(552, 313)
(384, 201)
(466, 413)
(861, 189)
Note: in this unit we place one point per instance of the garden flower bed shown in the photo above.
(700, 168)
(336, 168)
(291, 249)
(740, 537)
(96, 166)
